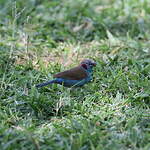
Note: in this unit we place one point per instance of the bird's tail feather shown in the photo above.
(46, 83)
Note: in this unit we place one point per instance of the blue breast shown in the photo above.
(69, 83)
(76, 83)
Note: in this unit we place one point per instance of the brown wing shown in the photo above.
(77, 73)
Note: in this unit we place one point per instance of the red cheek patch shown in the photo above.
(84, 66)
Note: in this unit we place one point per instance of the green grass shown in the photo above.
(40, 38)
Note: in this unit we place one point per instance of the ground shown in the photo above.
(39, 38)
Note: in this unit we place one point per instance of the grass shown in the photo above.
(40, 38)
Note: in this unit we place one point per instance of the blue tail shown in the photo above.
(46, 83)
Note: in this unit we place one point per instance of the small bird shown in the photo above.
(75, 77)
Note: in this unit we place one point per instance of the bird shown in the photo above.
(75, 77)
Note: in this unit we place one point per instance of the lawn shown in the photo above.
(40, 38)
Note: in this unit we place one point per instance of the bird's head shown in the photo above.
(88, 64)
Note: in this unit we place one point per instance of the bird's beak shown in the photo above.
(94, 64)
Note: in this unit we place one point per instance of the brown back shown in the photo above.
(77, 73)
